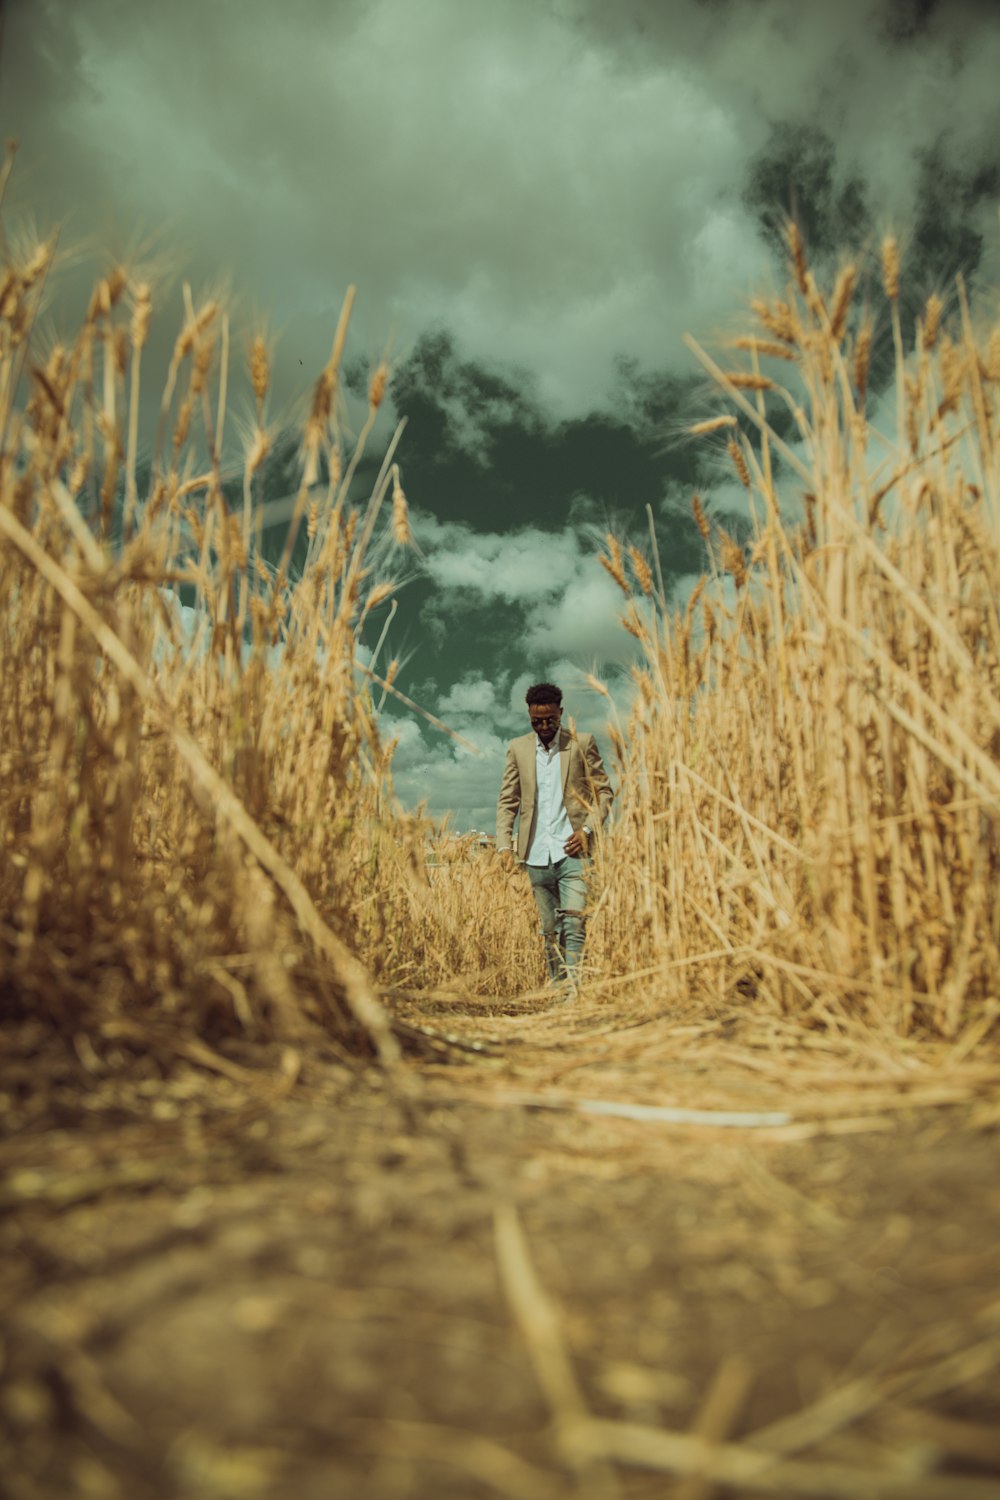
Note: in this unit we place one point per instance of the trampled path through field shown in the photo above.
(571, 1250)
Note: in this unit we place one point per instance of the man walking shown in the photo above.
(556, 785)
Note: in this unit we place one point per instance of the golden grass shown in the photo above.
(810, 786)
(197, 822)
(188, 810)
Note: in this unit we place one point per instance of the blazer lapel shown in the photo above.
(564, 747)
(527, 761)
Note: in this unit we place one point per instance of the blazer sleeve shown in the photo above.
(597, 777)
(509, 801)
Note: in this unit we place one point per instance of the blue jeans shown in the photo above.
(560, 895)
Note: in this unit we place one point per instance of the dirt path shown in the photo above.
(468, 1286)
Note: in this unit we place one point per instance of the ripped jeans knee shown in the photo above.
(560, 895)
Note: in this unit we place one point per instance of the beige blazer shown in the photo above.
(587, 792)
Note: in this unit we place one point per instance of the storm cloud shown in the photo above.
(557, 184)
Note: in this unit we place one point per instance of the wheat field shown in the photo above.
(196, 809)
(810, 787)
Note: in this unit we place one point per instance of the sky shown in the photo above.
(535, 200)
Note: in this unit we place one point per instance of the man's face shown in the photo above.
(545, 720)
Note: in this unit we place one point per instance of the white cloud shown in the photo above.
(472, 698)
(431, 768)
(516, 566)
(583, 623)
(727, 259)
(571, 609)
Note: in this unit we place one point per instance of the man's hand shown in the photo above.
(506, 857)
(576, 844)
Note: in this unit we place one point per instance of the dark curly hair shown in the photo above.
(543, 692)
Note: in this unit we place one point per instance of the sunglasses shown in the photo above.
(543, 719)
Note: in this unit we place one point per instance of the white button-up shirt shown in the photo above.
(552, 824)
